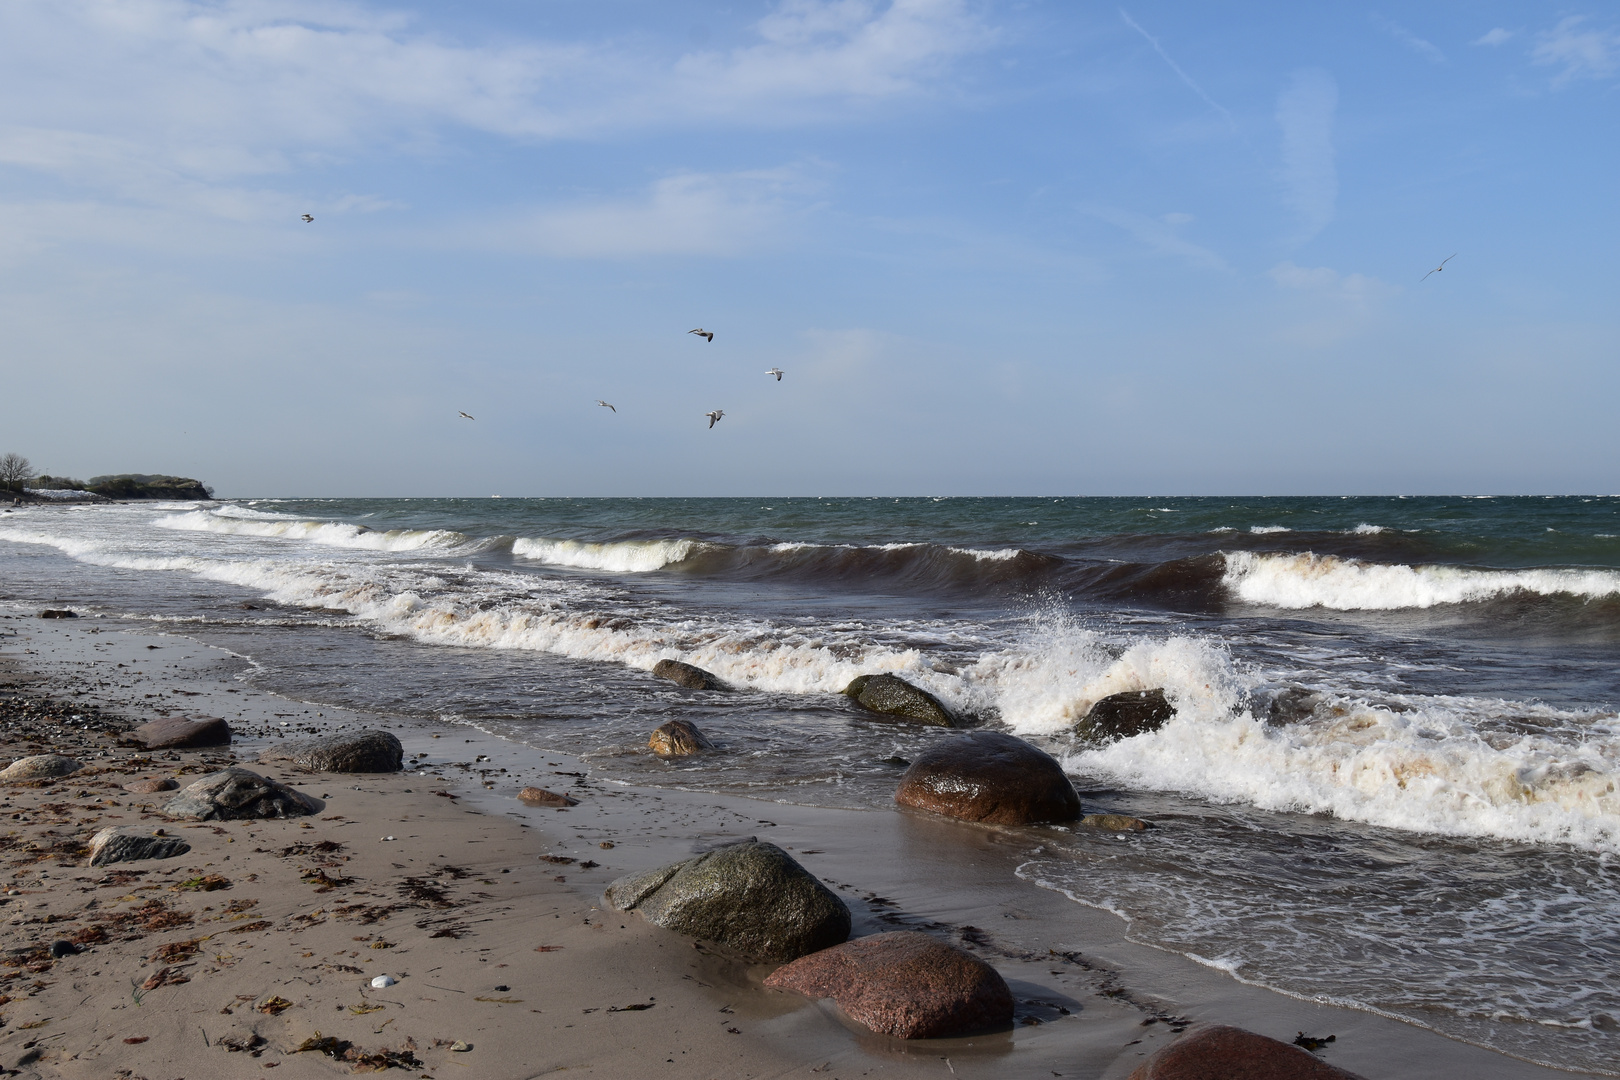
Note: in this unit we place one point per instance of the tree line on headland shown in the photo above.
(18, 478)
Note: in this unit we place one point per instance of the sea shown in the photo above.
(1389, 783)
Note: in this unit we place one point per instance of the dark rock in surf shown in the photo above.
(1120, 716)
(367, 751)
(678, 738)
(238, 793)
(903, 984)
(989, 777)
(128, 843)
(1291, 705)
(1114, 822)
(681, 674)
(58, 613)
(750, 899)
(891, 695)
(1217, 1052)
(179, 733)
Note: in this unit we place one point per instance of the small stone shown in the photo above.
(460, 1047)
(180, 733)
(129, 843)
(383, 982)
(40, 767)
(1115, 822)
(541, 797)
(678, 738)
(58, 613)
(60, 949)
(681, 674)
(1211, 1051)
(151, 787)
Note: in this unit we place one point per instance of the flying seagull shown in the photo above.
(777, 372)
(702, 333)
(714, 416)
(1437, 269)
(605, 405)
(308, 218)
(468, 416)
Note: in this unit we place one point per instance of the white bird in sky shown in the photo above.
(605, 405)
(777, 372)
(307, 218)
(714, 416)
(1437, 269)
(467, 416)
(702, 333)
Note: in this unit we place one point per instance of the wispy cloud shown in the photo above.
(1424, 48)
(1310, 179)
(1582, 52)
(1495, 37)
(1328, 306)
(1160, 234)
(1175, 67)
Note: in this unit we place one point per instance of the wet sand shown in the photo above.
(485, 911)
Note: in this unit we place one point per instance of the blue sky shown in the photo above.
(999, 248)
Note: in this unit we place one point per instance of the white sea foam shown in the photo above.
(1261, 530)
(624, 557)
(329, 533)
(1308, 580)
(1365, 529)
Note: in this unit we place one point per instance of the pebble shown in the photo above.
(383, 982)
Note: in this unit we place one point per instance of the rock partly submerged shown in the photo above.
(239, 793)
(892, 696)
(1114, 822)
(750, 899)
(535, 796)
(128, 843)
(40, 767)
(367, 751)
(678, 738)
(904, 984)
(181, 733)
(990, 777)
(1122, 716)
(1217, 1052)
(687, 675)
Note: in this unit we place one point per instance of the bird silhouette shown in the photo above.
(777, 372)
(468, 416)
(715, 416)
(702, 333)
(1437, 269)
(308, 218)
(605, 405)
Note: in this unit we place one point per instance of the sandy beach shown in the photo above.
(256, 950)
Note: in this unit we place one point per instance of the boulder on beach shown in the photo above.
(1115, 822)
(150, 787)
(678, 738)
(990, 777)
(903, 984)
(1217, 1052)
(751, 899)
(238, 793)
(535, 796)
(890, 695)
(127, 843)
(40, 767)
(1120, 716)
(687, 675)
(368, 751)
(58, 613)
(181, 733)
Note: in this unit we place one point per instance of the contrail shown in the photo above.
(1175, 67)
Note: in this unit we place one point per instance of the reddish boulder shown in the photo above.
(903, 984)
(1216, 1052)
(179, 733)
(990, 777)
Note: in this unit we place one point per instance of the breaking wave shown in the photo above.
(1340, 584)
(330, 533)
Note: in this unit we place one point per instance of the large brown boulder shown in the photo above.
(1217, 1052)
(367, 751)
(990, 777)
(687, 675)
(238, 793)
(890, 695)
(180, 733)
(1120, 716)
(678, 738)
(903, 984)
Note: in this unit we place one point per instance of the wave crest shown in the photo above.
(1308, 580)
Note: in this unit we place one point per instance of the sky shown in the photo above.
(1045, 247)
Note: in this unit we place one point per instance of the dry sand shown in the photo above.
(264, 938)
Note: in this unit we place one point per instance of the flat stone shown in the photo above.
(535, 796)
(890, 695)
(678, 738)
(687, 675)
(368, 751)
(40, 767)
(151, 787)
(180, 733)
(1122, 716)
(239, 793)
(751, 899)
(128, 843)
(990, 777)
(1217, 1052)
(903, 984)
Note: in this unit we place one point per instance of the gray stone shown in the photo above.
(751, 899)
(678, 738)
(1121, 716)
(367, 751)
(890, 695)
(238, 793)
(40, 767)
(128, 843)
(693, 678)
(181, 733)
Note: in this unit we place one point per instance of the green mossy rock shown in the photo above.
(890, 695)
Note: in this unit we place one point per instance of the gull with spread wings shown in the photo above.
(702, 333)
(715, 416)
(465, 416)
(1437, 269)
(605, 405)
(777, 372)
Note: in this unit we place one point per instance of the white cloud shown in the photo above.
(1175, 67)
(1424, 48)
(1160, 234)
(1581, 52)
(1176, 218)
(1310, 179)
(1495, 37)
